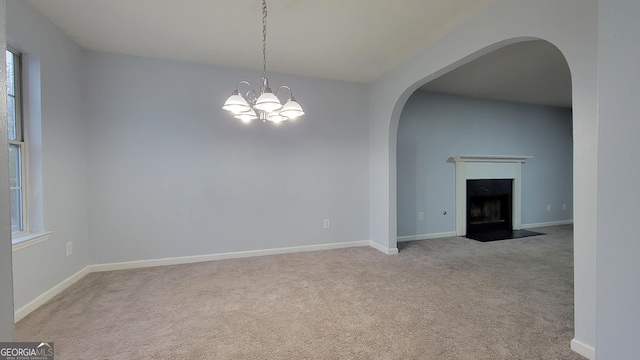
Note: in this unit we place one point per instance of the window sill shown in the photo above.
(24, 241)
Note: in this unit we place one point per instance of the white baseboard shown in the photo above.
(57, 289)
(549, 223)
(382, 248)
(222, 256)
(427, 236)
(49, 294)
(583, 349)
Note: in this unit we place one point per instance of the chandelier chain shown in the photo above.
(264, 38)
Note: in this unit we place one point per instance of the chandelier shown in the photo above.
(265, 104)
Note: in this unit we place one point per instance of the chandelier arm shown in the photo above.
(243, 82)
(251, 95)
(286, 87)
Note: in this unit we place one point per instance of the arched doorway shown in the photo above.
(514, 101)
(567, 30)
(443, 119)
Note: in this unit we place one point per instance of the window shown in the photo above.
(17, 147)
(25, 173)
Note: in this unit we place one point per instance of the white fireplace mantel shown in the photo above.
(490, 158)
(472, 167)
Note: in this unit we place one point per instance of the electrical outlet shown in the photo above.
(327, 223)
(548, 207)
(420, 215)
(564, 207)
(69, 248)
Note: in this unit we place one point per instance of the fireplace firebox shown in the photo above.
(489, 205)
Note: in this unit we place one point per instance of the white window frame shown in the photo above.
(32, 228)
(23, 188)
(21, 142)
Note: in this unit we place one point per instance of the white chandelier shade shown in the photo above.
(236, 104)
(267, 102)
(246, 116)
(263, 104)
(291, 109)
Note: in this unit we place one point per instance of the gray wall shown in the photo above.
(6, 277)
(139, 160)
(57, 141)
(618, 268)
(435, 126)
(172, 174)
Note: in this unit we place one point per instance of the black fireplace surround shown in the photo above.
(489, 205)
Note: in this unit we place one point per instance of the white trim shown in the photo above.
(57, 289)
(222, 256)
(27, 240)
(490, 158)
(49, 294)
(22, 142)
(548, 223)
(427, 236)
(583, 349)
(24, 181)
(384, 249)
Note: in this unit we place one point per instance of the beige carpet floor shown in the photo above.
(450, 298)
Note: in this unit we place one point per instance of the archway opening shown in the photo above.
(514, 101)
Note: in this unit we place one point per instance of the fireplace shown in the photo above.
(499, 207)
(489, 205)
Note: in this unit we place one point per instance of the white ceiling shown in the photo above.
(531, 72)
(352, 40)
